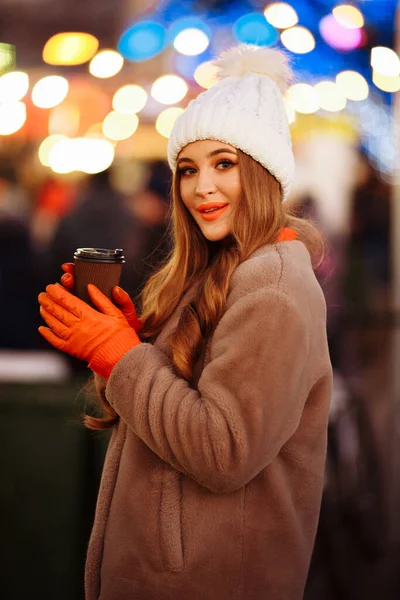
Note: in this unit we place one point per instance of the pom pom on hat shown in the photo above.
(246, 58)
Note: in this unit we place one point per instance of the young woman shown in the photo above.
(219, 395)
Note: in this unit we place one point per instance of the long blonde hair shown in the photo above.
(257, 220)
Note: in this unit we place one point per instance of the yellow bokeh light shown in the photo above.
(281, 15)
(73, 48)
(298, 39)
(191, 42)
(348, 16)
(386, 83)
(46, 147)
(385, 61)
(331, 97)
(106, 63)
(49, 91)
(166, 119)
(81, 154)
(206, 74)
(13, 86)
(129, 99)
(303, 98)
(12, 117)
(120, 127)
(169, 89)
(353, 85)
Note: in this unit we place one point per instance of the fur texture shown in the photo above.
(247, 58)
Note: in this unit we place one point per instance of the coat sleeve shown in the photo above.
(249, 399)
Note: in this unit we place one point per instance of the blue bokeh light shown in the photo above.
(253, 28)
(142, 41)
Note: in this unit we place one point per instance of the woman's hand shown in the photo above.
(120, 297)
(100, 337)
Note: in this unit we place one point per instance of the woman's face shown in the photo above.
(210, 185)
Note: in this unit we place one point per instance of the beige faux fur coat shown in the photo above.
(211, 491)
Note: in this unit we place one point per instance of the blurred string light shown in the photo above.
(74, 48)
(88, 155)
(206, 74)
(129, 99)
(331, 97)
(185, 23)
(12, 117)
(348, 16)
(142, 41)
(337, 36)
(298, 39)
(353, 85)
(191, 42)
(166, 119)
(49, 91)
(117, 126)
(7, 57)
(169, 89)
(281, 15)
(385, 61)
(254, 28)
(386, 83)
(303, 98)
(106, 63)
(13, 86)
(46, 146)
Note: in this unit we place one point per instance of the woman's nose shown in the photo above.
(205, 185)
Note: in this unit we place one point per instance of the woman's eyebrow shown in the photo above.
(213, 153)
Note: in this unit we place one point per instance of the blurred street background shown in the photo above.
(89, 92)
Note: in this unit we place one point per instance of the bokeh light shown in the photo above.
(254, 28)
(7, 57)
(337, 36)
(142, 41)
(191, 42)
(385, 61)
(281, 15)
(184, 23)
(74, 48)
(348, 16)
(13, 86)
(129, 99)
(49, 91)
(46, 147)
(12, 117)
(166, 119)
(106, 63)
(206, 74)
(88, 155)
(331, 97)
(385, 82)
(303, 98)
(65, 119)
(298, 39)
(169, 89)
(353, 85)
(117, 126)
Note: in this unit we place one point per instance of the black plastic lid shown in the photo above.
(104, 255)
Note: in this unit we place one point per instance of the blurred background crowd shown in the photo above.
(88, 95)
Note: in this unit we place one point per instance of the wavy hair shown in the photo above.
(195, 261)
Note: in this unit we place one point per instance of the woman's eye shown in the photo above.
(186, 171)
(225, 164)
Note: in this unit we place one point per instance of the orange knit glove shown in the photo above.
(120, 297)
(100, 337)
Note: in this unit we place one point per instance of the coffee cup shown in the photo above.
(100, 266)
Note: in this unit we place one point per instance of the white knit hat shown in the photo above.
(244, 109)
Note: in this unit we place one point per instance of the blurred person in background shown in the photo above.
(19, 269)
(219, 395)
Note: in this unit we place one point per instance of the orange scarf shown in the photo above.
(287, 234)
